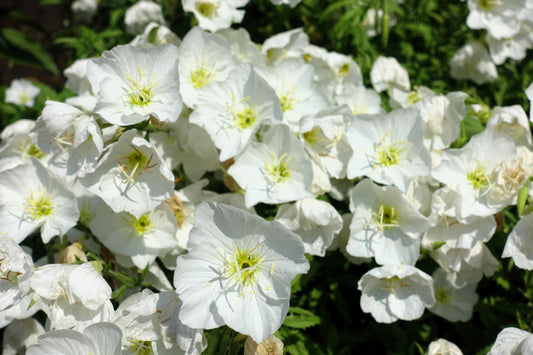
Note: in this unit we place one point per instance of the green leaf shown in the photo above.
(522, 197)
(300, 318)
(21, 41)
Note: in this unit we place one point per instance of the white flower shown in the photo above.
(393, 292)
(233, 110)
(98, 339)
(443, 347)
(288, 44)
(30, 198)
(472, 61)
(141, 14)
(511, 121)
(514, 47)
(213, 15)
(275, 171)
(385, 225)
(237, 272)
(242, 47)
(22, 92)
(316, 222)
(131, 176)
(512, 341)
(360, 100)
(20, 335)
(133, 84)
(156, 34)
(16, 268)
(389, 148)
(291, 3)
(387, 74)
(84, 9)
(500, 18)
(519, 245)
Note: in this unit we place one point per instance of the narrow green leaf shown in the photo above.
(300, 318)
(522, 197)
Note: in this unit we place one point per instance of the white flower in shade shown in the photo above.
(514, 47)
(213, 15)
(30, 197)
(99, 339)
(150, 325)
(21, 310)
(242, 47)
(443, 347)
(131, 176)
(275, 171)
(360, 100)
(500, 18)
(453, 303)
(76, 75)
(22, 92)
(472, 61)
(291, 3)
(288, 44)
(316, 222)
(387, 74)
(133, 84)
(519, 245)
(143, 238)
(72, 296)
(293, 81)
(237, 272)
(233, 110)
(156, 34)
(64, 130)
(385, 225)
(16, 268)
(17, 147)
(388, 148)
(512, 341)
(393, 292)
(204, 57)
(84, 9)
(325, 139)
(20, 335)
(471, 172)
(141, 14)
(511, 121)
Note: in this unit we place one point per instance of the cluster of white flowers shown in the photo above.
(283, 124)
(509, 34)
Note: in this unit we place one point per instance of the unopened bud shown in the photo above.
(71, 254)
(271, 346)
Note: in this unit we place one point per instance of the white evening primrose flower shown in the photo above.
(388, 148)
(387, 74)
(519, 243)
(21, 334)
(204, 57)
(393, 292)
(288, 44)
(131, 176)
(72, 296)
(233, 110)
(471, 172)
(156, 34)
(452, 303)
(237, 272)
(514, 47)
(360, 100)
(293, 81)
(443, 347)
(472, 61)
(17, 147)
(213, 15)
(512, 341)
(513, 122)
(143, 238)
(276, 170)
(31, 197)
(141, 14)
(291, 3)
(315, 221)
(22, 92)
(385, 225)
(98, 339)
(133, 84)
(16, 268)
(242, 47)
(499, 18)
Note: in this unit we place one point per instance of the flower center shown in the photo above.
(140, 347)
(287, 99)
(143, 224)
(278, 171)
(178, 209)
(478, 177)
(206, 8)
(134, 163)
(243, 265)
(139, 94)
(27, 149)
(358, 109)
(443, 296)
(40, 206)
(245, 118)
(392, 283)
(386, 217)
(489, 4)
(201, 77)
(344, 70)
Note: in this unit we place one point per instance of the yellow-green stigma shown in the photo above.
(392, 283)
(386, 217)
(40, 206)
(443, 296)
(279, 170)
(344, 70)
(140, 95)
(287, 99)
(245, 118)
(243, 265)
(313, 136)
(143, 224)
(140, 347)
(307, 57)
(488, 4)
(28, 149)
(24, 98)
(478, 178)
(201, 77)
(413, 97)
(206, 8)
(388, 156)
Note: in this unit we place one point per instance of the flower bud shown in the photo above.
(271, 346)
(69, 254)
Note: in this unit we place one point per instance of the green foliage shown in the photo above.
(300, 318)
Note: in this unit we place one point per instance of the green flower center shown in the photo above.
(392, 283)
(388, 154)
(133, 164)
(40, 206)
(345, 69)
(139, 94)
(478, 178)
(140, 347)
(443, 296)
(245, 118)
(243, 265)
(287, 99)
(278, 171)
(143, 224)
(206, 8)
(489, 4)
(386, 217)
(27, 149)
(201, 77)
